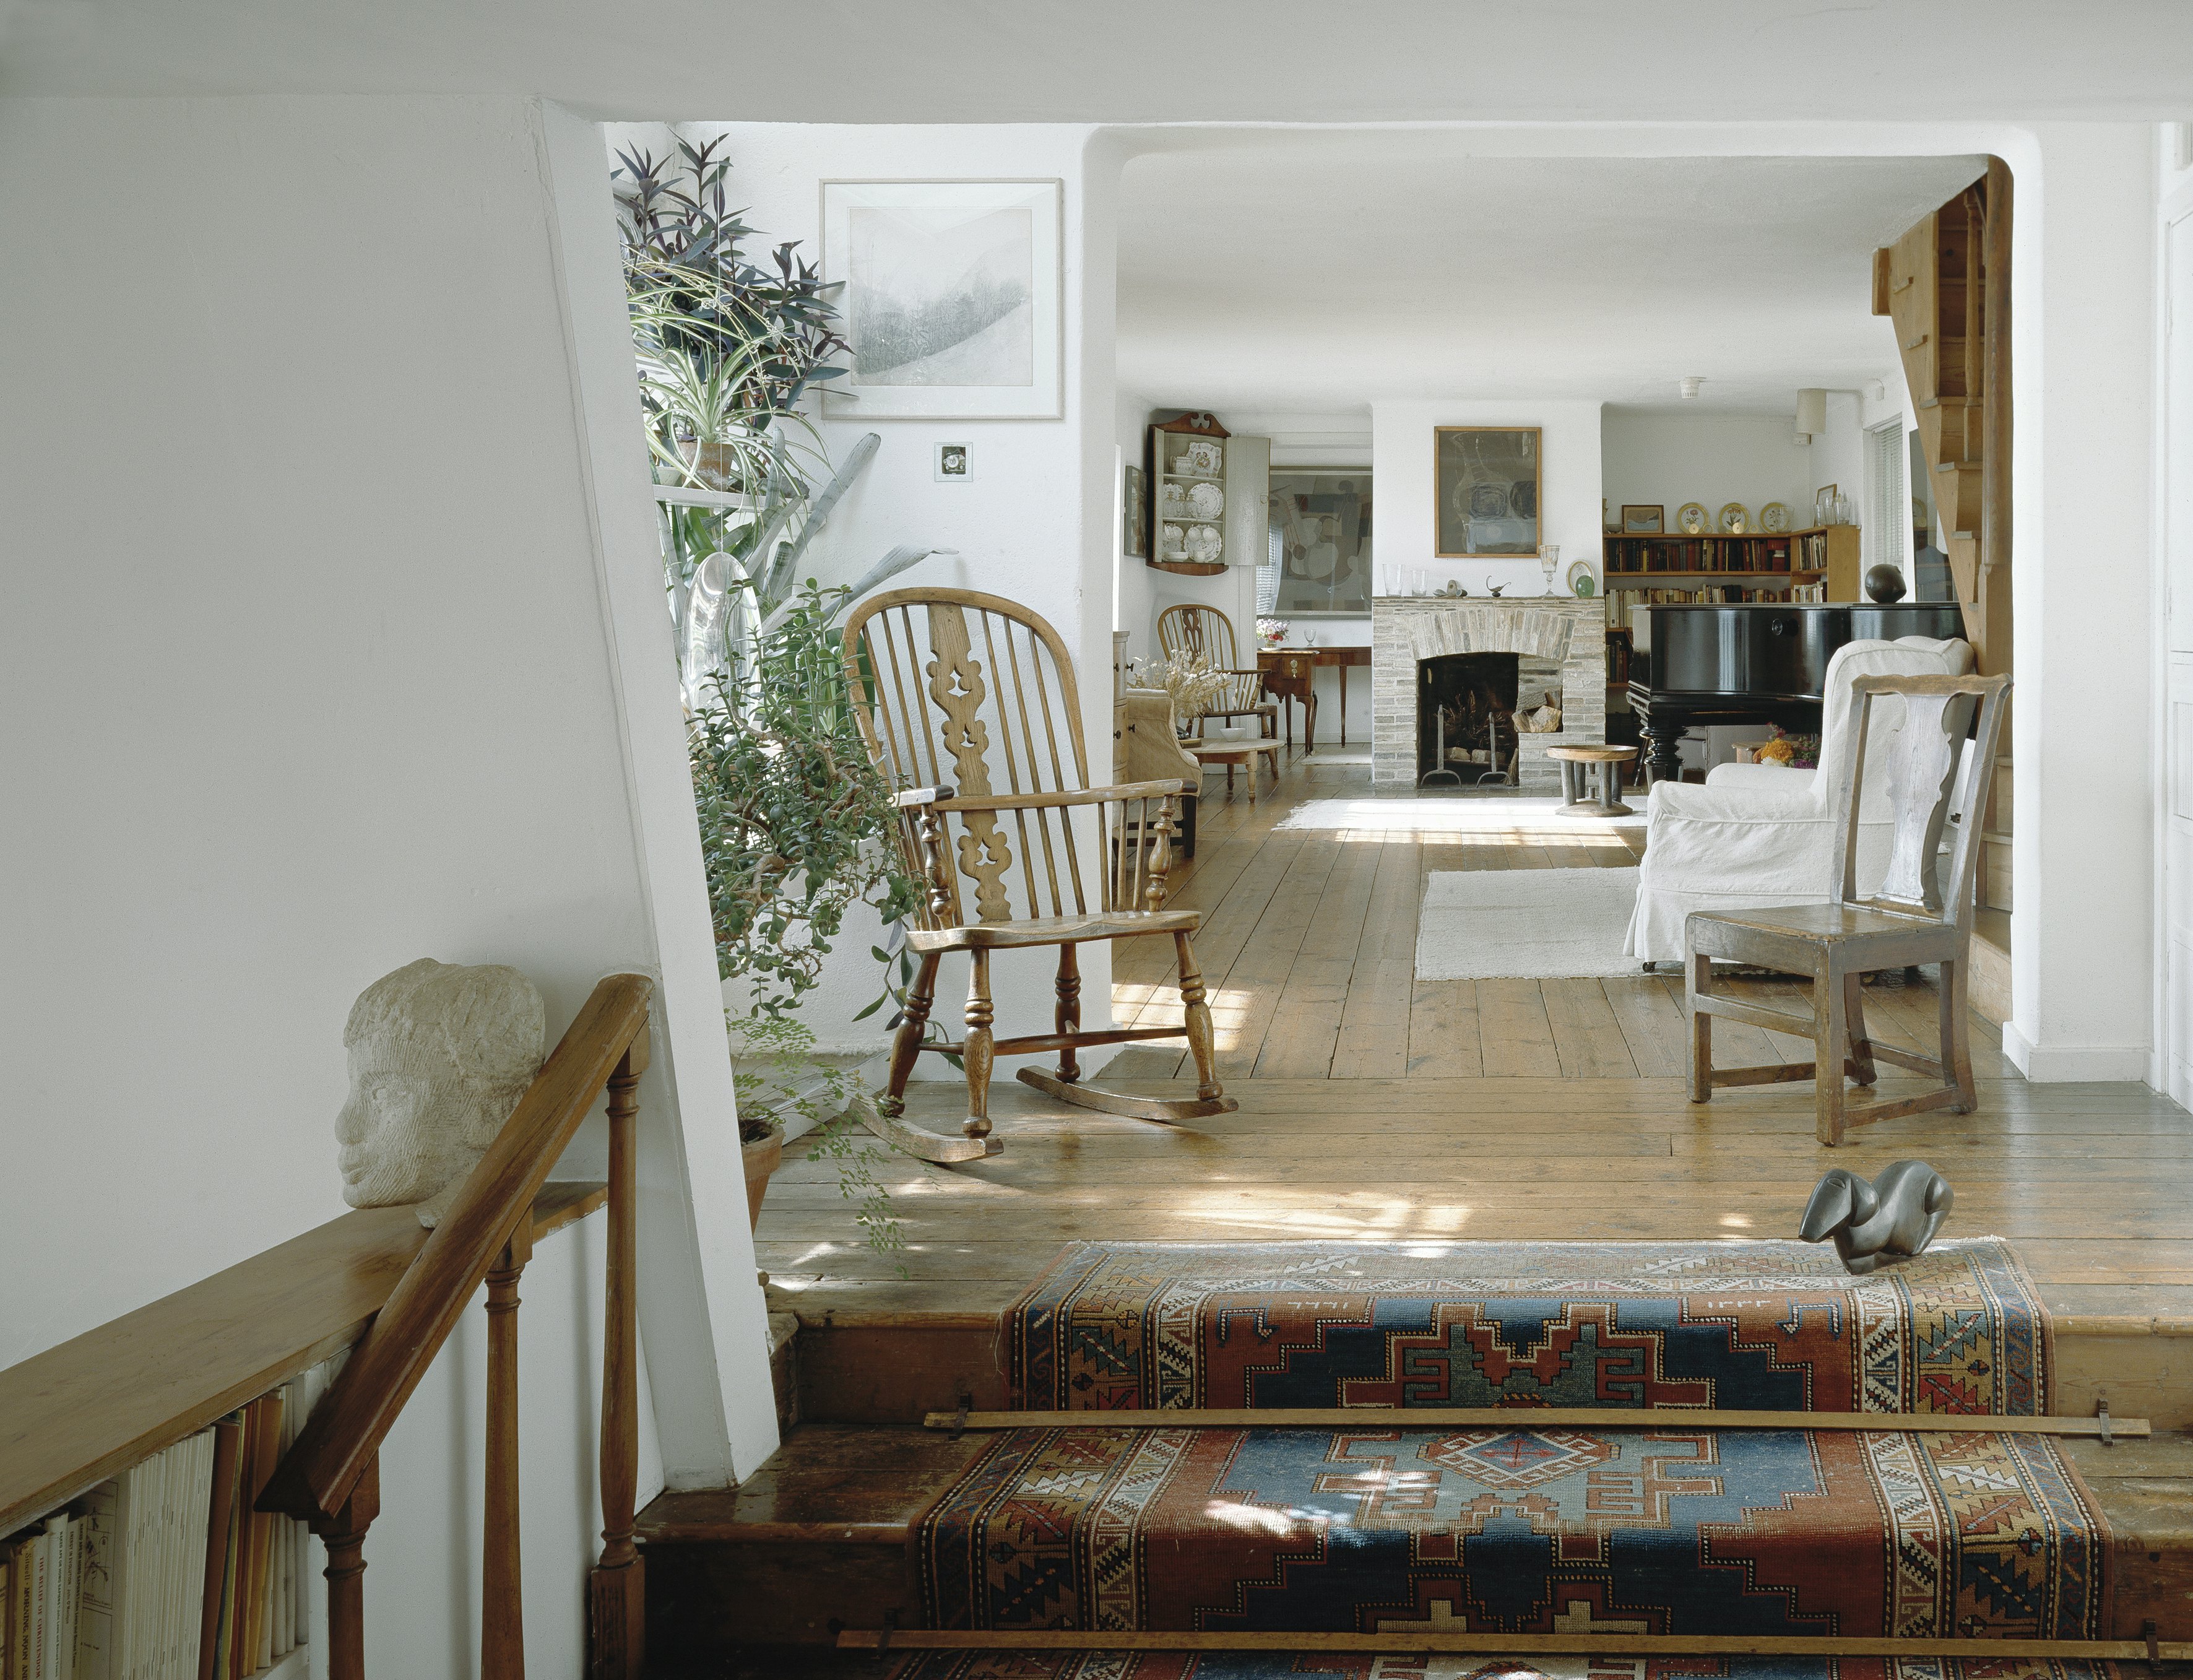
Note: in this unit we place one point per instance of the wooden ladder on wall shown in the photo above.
(1945, 287)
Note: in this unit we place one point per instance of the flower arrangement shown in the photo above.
(1195, 683)
(1794, 752)
(1271, 632)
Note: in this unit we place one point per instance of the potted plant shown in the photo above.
(796, 825)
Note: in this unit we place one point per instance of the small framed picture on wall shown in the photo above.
(955, 464)
(1135, 511)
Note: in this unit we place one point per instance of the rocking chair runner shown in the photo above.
(1911, 918)
(957, 692)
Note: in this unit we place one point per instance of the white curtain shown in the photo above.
(1888, 510)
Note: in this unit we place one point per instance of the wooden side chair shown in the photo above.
(1206, 633)
(1911, 918)
(969, 707)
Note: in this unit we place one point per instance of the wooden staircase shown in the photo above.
(1945, 287)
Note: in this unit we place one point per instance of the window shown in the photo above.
(1888, 509)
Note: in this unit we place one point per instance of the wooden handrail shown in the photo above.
(91, 1406)
(348, 1426)
(331, 1477)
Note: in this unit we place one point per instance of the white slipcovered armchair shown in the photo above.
(1761, 834)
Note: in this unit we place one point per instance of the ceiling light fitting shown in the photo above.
(1689, 385)
(1812, 413)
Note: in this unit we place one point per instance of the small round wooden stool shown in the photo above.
(1574, 761)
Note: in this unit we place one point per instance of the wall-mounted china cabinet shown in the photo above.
(1207, 496)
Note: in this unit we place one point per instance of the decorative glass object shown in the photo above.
(1549, 560)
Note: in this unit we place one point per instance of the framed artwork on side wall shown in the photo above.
(1486, 482)
(1135, 511)
(1319, 538)
(950, 298)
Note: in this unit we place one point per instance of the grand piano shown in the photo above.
(1762, 661)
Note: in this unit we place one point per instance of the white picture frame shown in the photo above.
(952, 463)
(952, 294)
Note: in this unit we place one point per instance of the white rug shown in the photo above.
(1525, 924)
(1455, 814)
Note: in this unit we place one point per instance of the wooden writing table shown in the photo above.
(1287, 672)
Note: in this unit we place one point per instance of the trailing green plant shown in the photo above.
(796, 827)
(795, 821)
(796, 1084)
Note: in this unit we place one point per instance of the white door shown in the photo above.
(2177, 848)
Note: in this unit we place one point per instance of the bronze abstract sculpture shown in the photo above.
(1874, 1225)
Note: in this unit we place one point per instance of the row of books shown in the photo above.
(1619, 608)
(166, 1572)
(1698, 554)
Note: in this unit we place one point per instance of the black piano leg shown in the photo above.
(1666, 763)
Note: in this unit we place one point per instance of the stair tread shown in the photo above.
(875, 1480)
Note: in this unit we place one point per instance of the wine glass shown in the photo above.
(1549, 558)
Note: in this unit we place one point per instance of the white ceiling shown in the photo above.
(1144, 60)
(1313, 271)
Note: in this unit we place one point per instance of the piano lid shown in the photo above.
(1766, 649)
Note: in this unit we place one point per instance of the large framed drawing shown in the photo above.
(1320, 541)
(950, 298)
(1487, 483)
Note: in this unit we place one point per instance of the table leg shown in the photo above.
(1341, 671)
(1309, 718)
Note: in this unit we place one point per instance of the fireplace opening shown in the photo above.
(1466, 719)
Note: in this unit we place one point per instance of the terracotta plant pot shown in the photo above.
(762, 1157)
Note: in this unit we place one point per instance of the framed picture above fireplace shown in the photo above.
(1321, 542)
(1485, 481)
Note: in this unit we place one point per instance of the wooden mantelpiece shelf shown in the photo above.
(79, 1413)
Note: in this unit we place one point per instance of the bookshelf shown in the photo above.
(1772, 562)
(1755, 566)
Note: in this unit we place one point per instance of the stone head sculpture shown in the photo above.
(439, 1055)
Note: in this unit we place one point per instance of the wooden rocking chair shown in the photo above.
(958, 693)
(1206, 633)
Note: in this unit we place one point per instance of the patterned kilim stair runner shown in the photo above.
(1661, 1531)
(1341, 1665)
(1740, 1326)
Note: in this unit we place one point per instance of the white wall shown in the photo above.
(2084, 353)
(331, 667)
(1034, 524)
(1569, 492)
(1669, 459)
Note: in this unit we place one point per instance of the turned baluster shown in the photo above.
(502, 1620)
(343, 1534)
(618, 1585)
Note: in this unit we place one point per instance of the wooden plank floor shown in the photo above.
(1375, 1106)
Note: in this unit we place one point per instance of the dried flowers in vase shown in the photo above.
(1193, 682)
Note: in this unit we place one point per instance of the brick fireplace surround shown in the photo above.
(1558, 640)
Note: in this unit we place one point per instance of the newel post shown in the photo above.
(618, 1626)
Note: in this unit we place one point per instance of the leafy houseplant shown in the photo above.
(793, 821)
(796, 825)
(727, 347)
